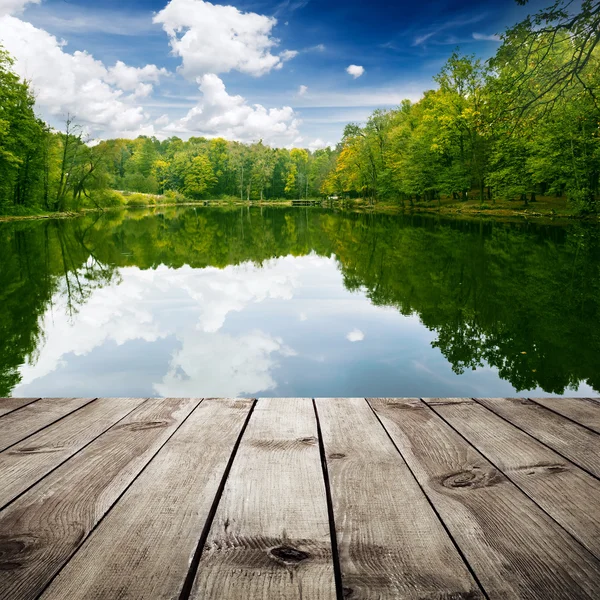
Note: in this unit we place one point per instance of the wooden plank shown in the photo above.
(7, 405)
(390, 542)
(514, 548)
(568, 494)
(585, 411)
(27, 462)
(144, 547)
(578, 444)
(42, 528)
(270, 536)
(18, 425)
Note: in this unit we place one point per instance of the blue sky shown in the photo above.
(184, 75)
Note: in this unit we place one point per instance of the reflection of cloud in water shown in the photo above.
(219, 364)
(117, 313)
(190, 304)
(221, 291)
(356, 335)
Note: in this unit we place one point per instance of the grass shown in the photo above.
(546, 207)
(543, 207)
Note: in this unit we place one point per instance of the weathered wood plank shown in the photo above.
(390, 542)
(7, 405)
(27, 462)
(578, 444)
(144, 547)
(18, 425)
(514, 548)
(568, 494)
(42, 528)
(270, 536)
(585, 411)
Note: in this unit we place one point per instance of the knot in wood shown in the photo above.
(475, 477)
(336, 455)
(347, 592)
(145, 425)
(289, 555)
(35, 450)
(545, 468)
(13, 551)
(311, 441)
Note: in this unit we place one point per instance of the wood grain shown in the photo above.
(578, 444)
(16, 426)
(514, 548)
(585, 411)
(568, 494)
(391, 544)
(145, 545)
(270, 536)
(27, 462)
(41, 530)
(7, 405)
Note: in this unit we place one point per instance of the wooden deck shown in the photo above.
(325, 499)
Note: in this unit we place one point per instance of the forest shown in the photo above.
(523, 124)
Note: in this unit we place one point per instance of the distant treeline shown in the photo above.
(524, 123)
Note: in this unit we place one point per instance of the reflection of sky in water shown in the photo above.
(289, 328)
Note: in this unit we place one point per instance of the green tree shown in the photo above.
(199, 177)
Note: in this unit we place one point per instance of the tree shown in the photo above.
(23, 139)
(199, 177)
(529, 47)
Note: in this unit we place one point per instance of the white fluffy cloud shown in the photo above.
(355, 70)
(302, 90)
(211, 38)
(220, 114)
(134, 79)
(78, 83)
(319, 144)
(13, 7)
(288, 55)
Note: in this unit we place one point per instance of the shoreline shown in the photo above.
(471, 211)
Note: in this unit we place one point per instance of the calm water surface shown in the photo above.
(297, 302)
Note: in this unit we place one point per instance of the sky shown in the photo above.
(289, 72)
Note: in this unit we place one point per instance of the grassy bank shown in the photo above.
(544, 207)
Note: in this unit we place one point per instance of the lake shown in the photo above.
(297, 302)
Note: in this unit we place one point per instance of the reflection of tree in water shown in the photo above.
(36, 260)
(83, 272)
(518, 297)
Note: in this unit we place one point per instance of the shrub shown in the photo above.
(175, 196)
(584, 201)
(107, 198)
(138, 200)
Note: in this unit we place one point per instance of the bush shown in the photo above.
(107, 198)
(139, 200)
(584, 201)
(174, 196)
(20, 210)
(228, 198)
